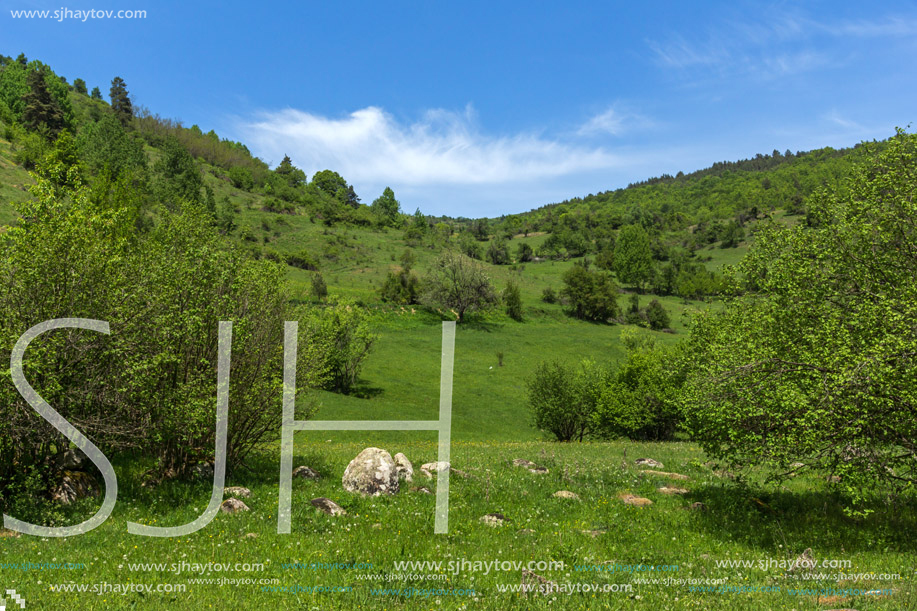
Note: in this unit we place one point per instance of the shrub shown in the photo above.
(319, 289)
(302, 260)
(512, 301)
(656, 315)
(590, 295)
(342, 330)
(563, 400)
(548, 295)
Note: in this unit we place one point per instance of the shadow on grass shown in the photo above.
(796, 520)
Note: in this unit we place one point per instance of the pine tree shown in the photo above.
(96, 93)
(41, 111)
(120, 101)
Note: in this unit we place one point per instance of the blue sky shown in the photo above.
(474, 109)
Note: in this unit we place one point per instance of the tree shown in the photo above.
(402, 286)
(319, 289)
(656, 316)
(41, 112)
(79, 86)
(633, 258)
(329, 181)
(386, 207)
(293, 176)
(121, 101)
(96, 93)
(512, 300)
(563, 400)
(178, 176)
(498, 252)
(459, 283)
(590, 295)
(813, 358)
(342, 327)
(524, 252)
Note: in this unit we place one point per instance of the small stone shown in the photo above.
(697, 507)
(403, 467)
(305, 472)
(797, 465)
(566, 494)
(494, 519)
(537, 584)
(649, 462)
(435, 467)
(665, 474)
(525, 531)
(804, 562)
(8, 534)
(328, 506)
(668, 490)
(521, 462)
(538, 470)
(238, 491)
(594, 533)
(377, 525)
(251, 535)
(636, 501)
(233, 506)
(422, 490)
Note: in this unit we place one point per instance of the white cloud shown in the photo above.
(443, 148)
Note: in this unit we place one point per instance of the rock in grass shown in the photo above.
(542, 585)
(538, 470)
(305, 472)
(494, 519)
(422, 490)
(435, 467)
(328, 506)
(426, 473)
(233, 506)
(75, 485)
(371, 473)
(594, 533)
(636, 501)
(665, 474)
(403, 467)
(672, 490)
(566, 494)
(649, 462)
(697, 507)
(8, 534)
(521, 462)
(238, 491)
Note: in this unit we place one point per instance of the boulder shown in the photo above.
(649, 462)
(371, 473)
(404, 468)
(328, 506)
(75, 485)
(233, 506)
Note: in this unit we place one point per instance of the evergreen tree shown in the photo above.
(120, 101)
(96, 93)
(386, 207)
(79, 86)
(41, 111)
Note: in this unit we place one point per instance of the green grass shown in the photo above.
(753, 522)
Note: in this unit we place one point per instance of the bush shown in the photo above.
(319, 289)
(590, 295)
(548, 295)
(512, 300)
(498, 252)
(656, 316)
(342, 331)
(303, 260)
(150, 384)
(563, 400)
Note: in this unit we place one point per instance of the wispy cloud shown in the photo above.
(442, 148)
(779, 45)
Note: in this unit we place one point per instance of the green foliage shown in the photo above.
(498, 252)
(512, 301)
(305, 260)
(178, 177)
(41, 112)
(241, 178)
(121, 104)
(96, 94)
(524, 253)
(106, 147)
(656, 315)
(79, 86)
(640, 398)
(16, 90)
(633, 258)
(402, 286)
(150, 384)
(813, 359)
(548, 295)
(563, 400)
(319, 288)
(387, 208)
(329, 181)
(590, 295)
(460, 284)
(342, 329)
